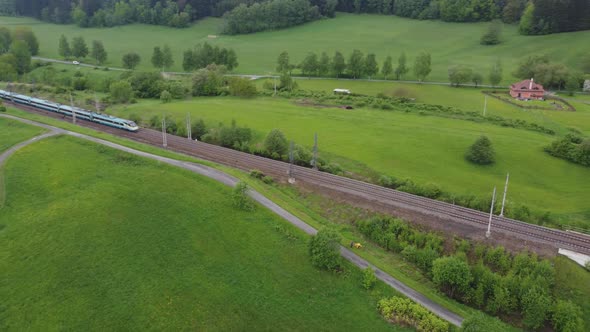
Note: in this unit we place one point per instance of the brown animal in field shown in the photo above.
(355, 245)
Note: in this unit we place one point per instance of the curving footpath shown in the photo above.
(231, 181)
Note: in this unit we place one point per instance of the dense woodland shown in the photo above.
(246, 16)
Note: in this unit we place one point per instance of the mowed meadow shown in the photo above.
(426, 149)
(95, 239)
(382, 35)
(13, 132)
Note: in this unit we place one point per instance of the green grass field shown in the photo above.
(88, 243)
(423, 148)
(14, 132)
(382, 35)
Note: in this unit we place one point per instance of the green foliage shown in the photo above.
(131, 60)
(283, 65)
(167, 59)
(324, 250)
(276, 143)
(22, 56)
(369, 278)
(481, 152)
(310, 65)
(572, 148)
(286, 83)
(157, 57)
(401, 70)
(26, 35)
(166, 96)
(371, 68)
(146, 84)
(356, 64)
(452, 275)
(198, 129)
(204, 55)
(247, 19)
(242, 87)
(79, 47)
(387, 68)
(98, 52)
(208, 81)
(536, 305)
(495, 75)
(493, 35)
(121, 92)
(479, 322)
(460, 75)
(406, 312)
(240, 197)
(338, 64)
(324, 65)
(422, 66)
(64, 49)
(477, 79)
(567, 317)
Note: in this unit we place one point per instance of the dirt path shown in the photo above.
(231, 181)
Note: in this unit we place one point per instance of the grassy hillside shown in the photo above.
(382, 35)
(423, 148)
(88, 243)
(13, 132)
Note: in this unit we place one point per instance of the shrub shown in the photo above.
(268, 180)
(166, 96)
(276, 142)
(492, 35)
(256, 174)
(481, 152)
(452, 275)
(369, 278)
(324, 250)
(121, 92)
(479, 322)
(567, 317)
(404, 311)
(535, 307)
(242, 87)
(240, 197)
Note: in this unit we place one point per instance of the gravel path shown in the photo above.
(231, 181)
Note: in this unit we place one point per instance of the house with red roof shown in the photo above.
(526, 90)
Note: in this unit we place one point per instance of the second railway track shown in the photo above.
(370, 192)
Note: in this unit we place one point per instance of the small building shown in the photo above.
(526, 90)
(341, 91)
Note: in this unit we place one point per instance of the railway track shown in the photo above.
(350, 187)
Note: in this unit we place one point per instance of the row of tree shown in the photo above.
(79, 49)
(16, 48)
(358, 65)
(203, 55)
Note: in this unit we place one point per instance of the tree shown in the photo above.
(338, 64)
(574, 82)
(310, 64)
(240, 197)
(283, 62)
(5, 40)
(493, 34)
(387, 68)
(22, 55)
(496, 73)
(7, 72)
(535, 307)
(98, 52)
(371, 67)
(567, 317)
(481, 152)
(131, 60)
(166, 96)
(208, 81)
(79, 48)
(242, 87)
(401, 70)
(356, 64)
(526, 26)
(451, 274)
(286, 83)
(121, 92)
(369, 278)
(167, 59)
(198, 129)
(157, 58)
(231, 61)
(528, 67)
(477, 79)
(324, 250)
(324, 64)
(64, 47)
(276, 144)
(459, 75)
(422, 66)
(26, 34)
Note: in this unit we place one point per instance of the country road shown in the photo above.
(231, 181)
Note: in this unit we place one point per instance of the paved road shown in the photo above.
(231, 181)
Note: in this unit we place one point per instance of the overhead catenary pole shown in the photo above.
(73, 110)
(485, 104)
(189, 133)
(314, 161)
(164, 138)
(488, 233)
(291, 160)
(504, 197)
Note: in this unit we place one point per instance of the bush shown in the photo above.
(121, 92)
(324, 250)
(479, 322)
(405, 312)
(369, 278)
(452, 275)
(242, 87)
(256, 174)
(276, 143)
(166, 96)
(240, 197)
(567, 317)
(268, 180)
(535, 307)
(481, 152)
(492, 35)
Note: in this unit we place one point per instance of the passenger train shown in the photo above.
(67, 111)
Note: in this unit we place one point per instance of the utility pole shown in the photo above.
(73, 110)
(10, 90)
(488, 233)
(189, 133)
(504, 197)
(291, 160)
(485, 104)
(314, 161)
(164, 138)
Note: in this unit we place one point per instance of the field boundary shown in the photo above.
(231, 181)
(494, 94)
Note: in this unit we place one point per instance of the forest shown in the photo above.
(535, 16)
